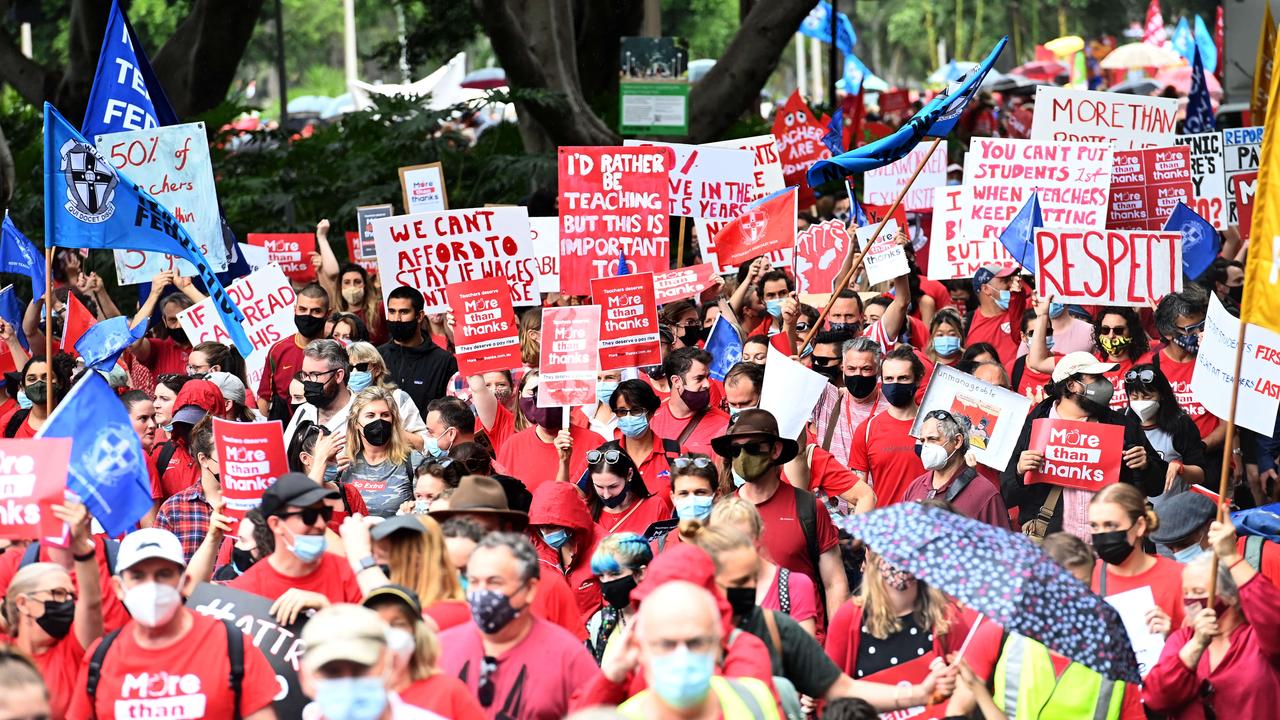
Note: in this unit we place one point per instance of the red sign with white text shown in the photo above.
(291, 250)
(1243, 187)
(681, 283)
(569, 362)
(250, 458)
(628, 321)
(356, 248)
(799, 138)
(485, 335)
(1084, 455)
(1146, 186)
(876, 213)
(33, 476)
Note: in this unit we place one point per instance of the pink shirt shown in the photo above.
(851, 414)
(801, 594)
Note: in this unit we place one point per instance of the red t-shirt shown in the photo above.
(712, 425)
(1179, 376)
(783, 539)
(936, 290)
(1120, 398)
(654, 468)
(827, 475)
(884, 449)
(556, 603)
(447, 613)
(59, 667)
(332, 578)
(534, 462)
(181, 473)
(286, 357)
(167, 357)
(1164, 578)
(504, 426)
(638, 517)
(177, 680)
(114, 614)
(25, 430)
(445, 696)
(1003, 331)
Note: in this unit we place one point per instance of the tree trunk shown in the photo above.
(198, 63)
(27, 77)
(7, 173)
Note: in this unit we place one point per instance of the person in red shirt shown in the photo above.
(617, 496)
(493, 415)
(565, 537)
(1180, 320)
(165, 353)
(883, 451)
(688, 416)
(533, 455)
(1000, 304)
(196, 399)
(781, 308)
(40, 380)
(1120, 521)
(284, 359)
(1120, 339)
(15, 558)
(167, 657)
(635, 403)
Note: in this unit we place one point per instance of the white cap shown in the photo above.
(149, 543)
(1079, 362)
(231, 387)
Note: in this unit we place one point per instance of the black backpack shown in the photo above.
(32, 554)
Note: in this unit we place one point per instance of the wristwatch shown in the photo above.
(365, 563)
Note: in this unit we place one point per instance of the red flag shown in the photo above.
(77, 320)
(1153, 33)
(762, 229)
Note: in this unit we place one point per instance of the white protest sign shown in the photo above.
(1131, 121)
(429, 251)
(951, 254)
(1107, 267)
(790, 391)
(1208, 177)
(257, 257)
(766, 179)
(882, 185)
(1133, 605)
(172, 164)
(266, 298)
(545, 233)
(1259, 394)
(1241, 149)
(706, 182)
(995, 414)
(886, 259)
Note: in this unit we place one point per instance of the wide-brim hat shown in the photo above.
(480, 494)
(759, 425)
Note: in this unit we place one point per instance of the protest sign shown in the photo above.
(422, 187)
(1243, 190)
(1241, 148)
(430, 251)
(486, 337)
(266, 298)
(766, 179)
(883, 184)
(951, 254)
(545, 232)
(1208, 177)
(886, 259)
(1082, 455)
(281, 644)
(710, 183)
(895, 102)
(767, 227)
(291, 251)
(1107, 267)
(725, 346)
(799, 136)
(1146, 185)
(1259, 394)
(354, 249)
(1071, 180)
(172, 164)
(820, 253)
(613, 202)
(364, 252)
(255, 257)
(250, 458)
(653, 86)
(991, 438)
(569, 363)
(1086, 116)
(790, 391)
(681, 283)
(628, 321)
(33, 476)
(1133, 606)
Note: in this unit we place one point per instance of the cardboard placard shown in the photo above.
(569, 362)
(1208, 177)
(681, 283)
(766, 179)
(251, 456)
(613, 203)
(628, 321)
(1244, 188)
(486, 337)
(1133, 606)
(1131, 121)
(291, 251)
(820, 253)
(1146, 186)
(422, 188)
(790, 391)
(711, 183)
(799, 138)
(1241, 150)
(886, 259)
(366, 251)
(1107, 267)
(545, 232)
(995, 414)
(256, 257)
(1259, 382)
(431, 251)
(952, 255)
(33, 476)
(882, 185)
(1082, 455)
(172, 163)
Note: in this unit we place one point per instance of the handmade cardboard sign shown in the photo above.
(995, 414)
(799, 137)
(1083, 455)
(711, 183)
(953, 255)
(628, 321)
(546, 252)
(1241, 150)
(884, 184)
(569, 362)
(1244, 187)
(291, 251)
(1146, 186)
(820, 253)
(250, 457)
(1208, 177)
(1086, 116)
(1107, 267)
(1259, 394)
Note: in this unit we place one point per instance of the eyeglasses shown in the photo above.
(361, 367)
(315, 376)
(630, 412)
(608, 457)
(485, 685)
(802, 327)
(760, 447)
(1190, 328)
(1104, 330)
(57, 594)
(684, 462)
(310, 515)
(1146, 377)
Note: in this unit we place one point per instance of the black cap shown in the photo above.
(396, 593)
(398, 523)
(296, 490)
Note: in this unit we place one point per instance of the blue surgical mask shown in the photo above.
(604, 391)
(167, 428)
(633, 426)
(555, 538)
(733, 411)
(308, 548)
(1187, 554)
(462, 580)
(1002, 300)
(946, 345)
(681, 678)
(351, 698)
(738, 480)
(24, 402)
(1056, 309)
(431, 446)
(421, 507)
(774, 308)
(694, 507)
(360, 379)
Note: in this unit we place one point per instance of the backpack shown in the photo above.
(112, 547)
(15, 422)
(807, 515)
(167, 450)
(235, 654)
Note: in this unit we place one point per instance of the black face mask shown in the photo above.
(1236, 294)
(691, 335)
(696, 400)
(318, 393)
(899, 395)
(830, 372)
(308, 326)
(618, 592)
(241, 559)
(742, 600)
(377, 433)
(179, 335)
(402, 330)
(860, 386)
(57, 618)
(1113, 547)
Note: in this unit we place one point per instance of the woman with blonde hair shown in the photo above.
(368, 369)
(382, 462)
(412, 547)
(1120, 521)
(22, 690)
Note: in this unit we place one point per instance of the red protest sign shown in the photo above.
(628, 321)
(33, 476)
(820, 252)
(1107, 267)
(876, 213)
(1243, 187)
(894, 102)
(769, 226)
(250, 458)
(291, 250)
(569, 362)
(1146, 186)
(485, 334)
(1084, 455)
(799, 138)
(613, 202)
(355, 247)
(685, 282)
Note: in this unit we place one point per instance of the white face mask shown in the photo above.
(933, 457)
(152, 604)
(1145, 409)
(401, 643)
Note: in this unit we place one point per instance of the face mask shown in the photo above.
(401, 643)
(897, 579)
(25, 403)
(860, 386)
(681, 678)
(694, 507)
(421, 507)
(1189, 343)
(653, 371)
(555, 538)
(491, 610)
(402, 330)
(633, 426)
(377, 433)
(179, 336)
(1113, 547)
(242, 559)
(1113, 345)
(696, 400)
(169, 428)
(353, 295)
(742, 600)
(830, 372)
(690, 336)
(852, 328)
(618, 592)
(751, 467)
(1095, 397)
(604, 391)
(549, 418)
(1056, 309)
(360, 379)
(933, 456)
(308, 325)
(774, 308)
(502, 396)
(616, 501)
(738, 480)
(57, 618)
(308, 548)
(152, 604)
(1195, 605)
(359, 698)
(946, 345)
(1145, 409)
(1187, 554)
(1236, 294)
(899, 395)
(431, 446)
(38, 392)
(733, 411)
(318, 393)
(1002, 300)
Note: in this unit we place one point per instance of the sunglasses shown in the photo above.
(485, 685)
(759, 447)
(310, 515)
(939, 415)
(608, 457)
(1146, 377)
(1104, 330)
(685, 462)
(360, 367)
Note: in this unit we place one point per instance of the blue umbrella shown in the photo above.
(1004, 576)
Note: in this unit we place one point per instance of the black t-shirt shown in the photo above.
(801, 660)
(906, 645)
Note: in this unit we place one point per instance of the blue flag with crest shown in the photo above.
(817, 25)
(1199, 107)
(725, 347)
(1019, 237)
(126, 94)
(89, 204)
(1200, 242)
(108, 469)
(11, 312)
(19, 256)
(104, 342)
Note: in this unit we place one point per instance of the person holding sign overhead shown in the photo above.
(534, 455)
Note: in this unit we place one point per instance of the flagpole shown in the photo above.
(48, 329)
(1226, 453)
(680, 243)
(844, 280)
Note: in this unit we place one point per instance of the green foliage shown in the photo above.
(708, 25)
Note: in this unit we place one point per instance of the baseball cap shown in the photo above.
(294, 489)
(397, 523)
(149, 543)
(993, 270)
(231, 386)
(1079, 362)
(394, 593)
(343, 632)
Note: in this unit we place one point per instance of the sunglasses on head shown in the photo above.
(1146, 377)
(608, 457)
(310, 515)
(685, 462)
(939, 415)
(759, 447)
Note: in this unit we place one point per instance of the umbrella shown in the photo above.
(1180, 79)
(1141, 86)
(485, 79)
(1065, 45)
(993, 79)
(309, 104)
(1043, 70)
(1008, 83)
(1004, 576)
(1139, 55)
(950, 72)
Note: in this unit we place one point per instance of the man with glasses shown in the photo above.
(944, 441)
(1180, 322)
(325, 370)
(286, 357)
(517, 664)
(299, 574)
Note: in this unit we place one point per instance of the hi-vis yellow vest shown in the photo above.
(1026, 686)
(740, 699)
